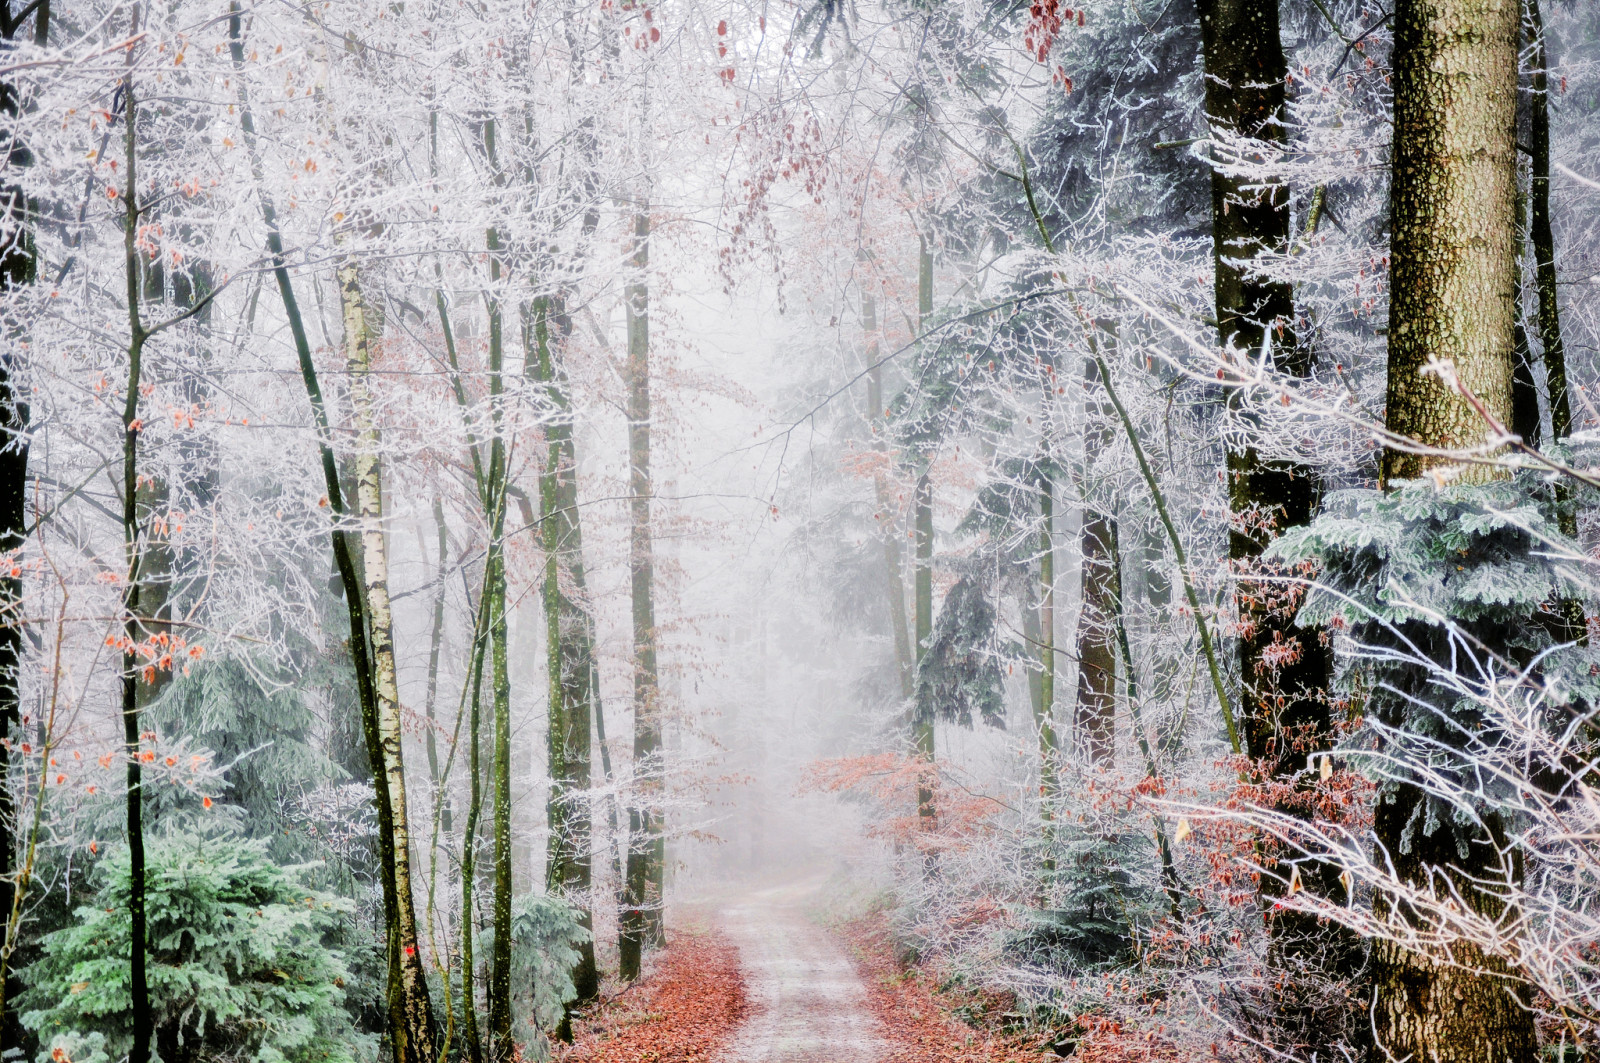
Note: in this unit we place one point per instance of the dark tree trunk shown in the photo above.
(1097, 662)
(1544, 241)
(1284, 671)
(17, 265)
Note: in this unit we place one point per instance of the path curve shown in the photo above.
(807, 1004)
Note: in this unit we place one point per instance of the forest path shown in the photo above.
(807, 1004)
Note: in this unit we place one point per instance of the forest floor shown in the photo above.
(690, 1000)
(756, 978)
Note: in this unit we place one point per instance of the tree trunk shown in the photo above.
(17, 266)
(1097, 621)
(1284, 671)
(410, 1020)
(1452, 204)
(888, 528)
(1544, 241)
(133, 634)
(922, 732)
(1097, 662)
(435, 645)
(501, 1047)
(569, 652)
(1451, 209)
(641, 914)
(404, 951)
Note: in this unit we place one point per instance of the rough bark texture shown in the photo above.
(1453, 218)
(570, 659)
(1451, 210)
(641, 913)
(1471, 1011)
(1283, 671)
(1100, 613)
(404, 953)
(1097, 662)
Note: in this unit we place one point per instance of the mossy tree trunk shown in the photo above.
(569, 653)
(642, 924)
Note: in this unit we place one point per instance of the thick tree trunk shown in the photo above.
(404, 951)
(1284, 671)
(569, 652)
(1451, 210)
(641, 916)
(1452, 205)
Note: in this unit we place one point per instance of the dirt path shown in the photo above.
(807, 1003)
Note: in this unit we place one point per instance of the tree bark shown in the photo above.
(1544, 241)
(404, 951)
(133, 635)
(1097, 662)
(410, 1019)
(1451, 210)
(17, 266)
(641, 915)
(501, 1047)
(1452, 205)
(570, 657)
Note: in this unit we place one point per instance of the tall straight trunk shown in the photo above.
(892, 565)
(410, 1009)
(1049, 742)
(1452, 203)
(922, 733)
(1097, 662)
(435, 646)
(1245, 94)
(359, 332)
(1101, 609)
(487, 490)
(133, 633)
(1284, 671)
(501, 1046)
(570, 657)
(17, 266)
(641, 916)
(1544, 241)
(469, 854)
